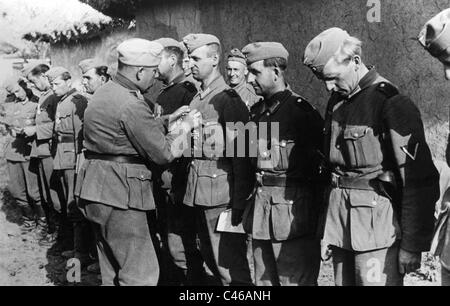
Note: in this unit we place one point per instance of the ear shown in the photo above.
(357, 60)
(103, 79)
(215, 59)
(277, 72)
(173, 60)
(139, 73)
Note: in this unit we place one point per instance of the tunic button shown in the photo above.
(262, 172)
(214, 175)
(259, 190)
(291, 202)
(338, 146)
(142, 177)
(374, 203)
(356, 134)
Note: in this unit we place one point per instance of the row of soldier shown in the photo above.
(360, 185)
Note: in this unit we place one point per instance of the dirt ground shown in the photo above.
(23, 262)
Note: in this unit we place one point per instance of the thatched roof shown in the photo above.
(117, 8)
(51, 21)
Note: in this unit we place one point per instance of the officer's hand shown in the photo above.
(29, 130)
(408, 262)
(179, 113)
(236, 216)
(193, 118)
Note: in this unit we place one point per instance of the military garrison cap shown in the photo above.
(435, 36)
(259, 51)
(56, 72)
(169, 42)
(140, 52)
(195, 41)
(88, 64)
(237, 56)
(32, 65)
(319, 51)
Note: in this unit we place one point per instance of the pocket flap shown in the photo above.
(68, 147)
(355, 132)
(367, 199)
(213, 169)
(286, 195)
(140, 174)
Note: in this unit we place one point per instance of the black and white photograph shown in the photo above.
(222, 148)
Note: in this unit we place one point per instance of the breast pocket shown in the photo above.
(360, 147)
(281, 153)
(140, 187)
(213, 186)
(373, 223)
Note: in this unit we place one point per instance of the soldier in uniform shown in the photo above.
(435, 38)
(123, 142)
(94, 74)
(23, 183)
(217, 181)
(237, 77)
(68, 138)
(283, 218)
(178, 220)
(384, 184)
(42, 131)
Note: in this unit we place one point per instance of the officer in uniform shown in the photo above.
(283, 218)
(123, 141)
(177, 221)
(384, 184)
(435, 38)
(217, 180)
(42, 131)
(237, 77)
(94, 74)
(23, 183)
(68, 137)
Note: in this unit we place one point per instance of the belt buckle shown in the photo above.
(335, 181)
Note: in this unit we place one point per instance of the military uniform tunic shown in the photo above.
(216, 181)
(284, 214)
(373, 132)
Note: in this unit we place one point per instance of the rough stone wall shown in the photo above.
(390, 45)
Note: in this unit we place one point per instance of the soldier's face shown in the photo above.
(39, 81)
(19, 92)
(166, 65)
(60, 87)
(92, 81)
(261, 78)
(341, 77)
(236, 72)
(202, 64)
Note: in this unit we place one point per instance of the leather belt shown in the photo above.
(123, 159)
(280, 181)
(358, 183)
(66, 139)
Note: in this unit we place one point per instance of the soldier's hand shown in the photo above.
(29, 130)
(179, 113)
(193, 118)
(408, 262)
(236, 216)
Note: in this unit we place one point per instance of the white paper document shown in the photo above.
(224, 224)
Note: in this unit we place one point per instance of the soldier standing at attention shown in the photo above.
(283, 218)
(68, 137)
(435, 37)
(384, 184)
(178, 220)
(217, 180)
(23, 183)
(123, 142)
(237, 77)
(41, 158)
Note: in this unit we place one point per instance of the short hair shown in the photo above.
(173, 50)
(66, 76)
(277, 62)
(351, 47)
(40, 69)
(103, 71)
(28, 91)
